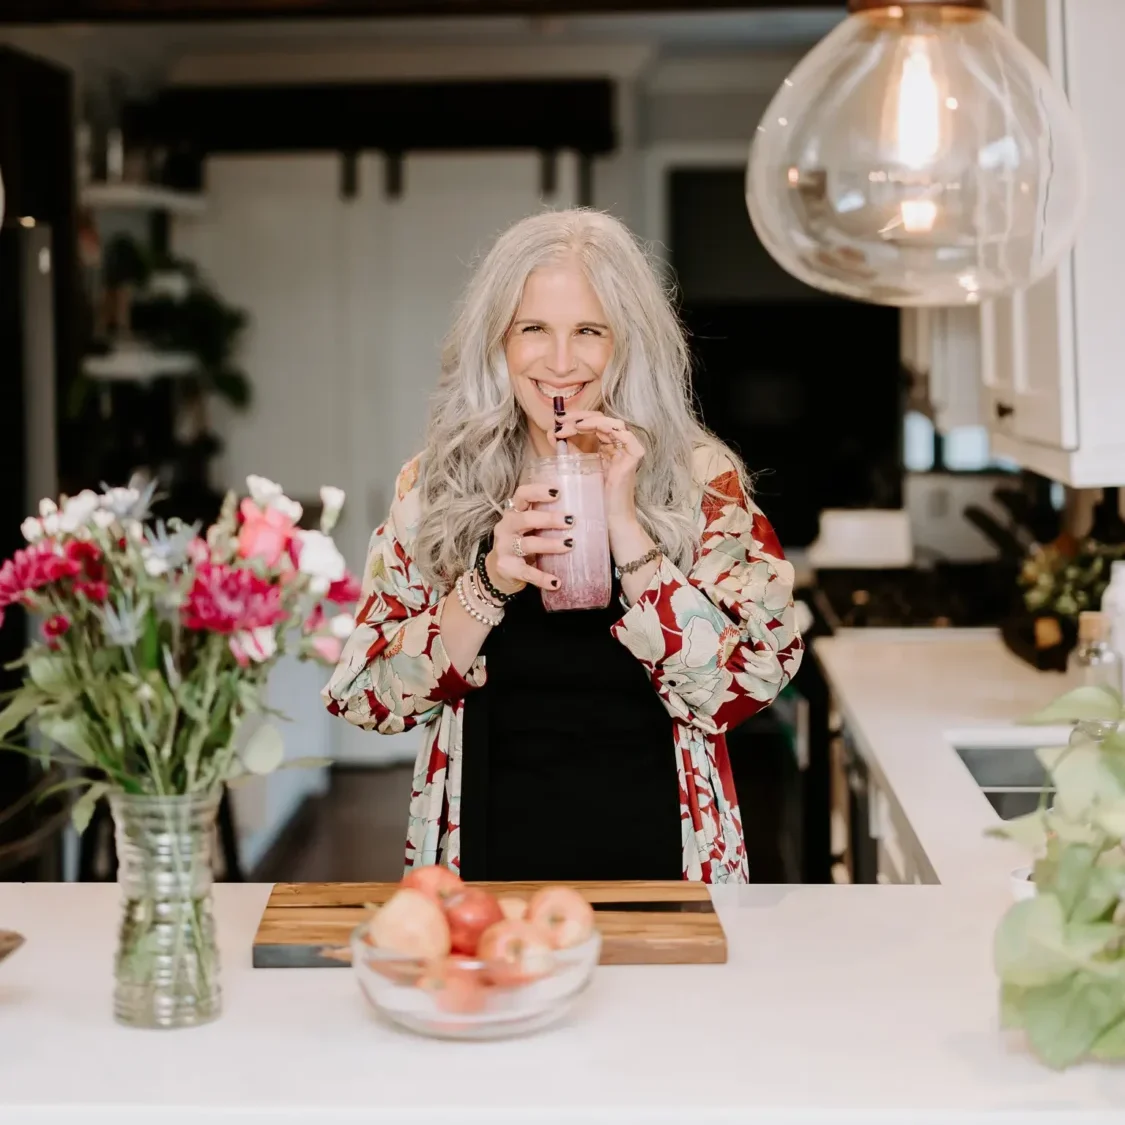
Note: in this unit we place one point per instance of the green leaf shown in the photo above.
(62, 786)
(83, 808)
(70, 734)
(24, 704)
(1011, 1006)
(265, 750)
(1110, 818)
(48, 672)
(1083, 776)
(1034, 945)
(148, 651)
(1028, 831)
(1065, 1018)
(1111, 1043)
(1084, 704)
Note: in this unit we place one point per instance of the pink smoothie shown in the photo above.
(583, 572)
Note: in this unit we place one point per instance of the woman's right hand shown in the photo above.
(510, 573)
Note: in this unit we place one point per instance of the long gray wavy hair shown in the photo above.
(477, 437)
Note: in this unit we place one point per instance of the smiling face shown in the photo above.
(558, 344)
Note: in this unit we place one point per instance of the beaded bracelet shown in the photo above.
(477, 590)
(463, 598)
(486, 582)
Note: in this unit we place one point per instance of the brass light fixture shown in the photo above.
(918, 155)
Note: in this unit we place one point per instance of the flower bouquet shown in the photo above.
(156, 645)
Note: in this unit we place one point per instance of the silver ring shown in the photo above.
(510, 504)
(517, 547)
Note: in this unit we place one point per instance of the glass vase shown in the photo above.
(167, 964)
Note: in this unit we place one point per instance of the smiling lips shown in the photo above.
(558, 392)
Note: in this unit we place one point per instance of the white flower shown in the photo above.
(135, 530)
(47, 508)
(155, 566)
(333, 501)
(78, 510)
(104, 519)
(32, 529)
(287, 507)
(318, 587)
(263, 491)
(51, 524)
(320, 559)
(342, 626)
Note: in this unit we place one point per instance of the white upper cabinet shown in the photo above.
(1054, 391)
(941, 349)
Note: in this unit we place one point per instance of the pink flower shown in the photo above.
(53, 628)
(227, 599)
(88, 557)
(345, 592)
(315, 620)
(96, 592)
(254, 645)
(198, 551)
(328, 648)
(265, 533)
(32, 569)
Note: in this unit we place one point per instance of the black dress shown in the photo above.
(568, 768)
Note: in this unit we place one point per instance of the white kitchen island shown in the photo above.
(865, 1005)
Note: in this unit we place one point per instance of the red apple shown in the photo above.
(469, 914)
(454, 986)
(563, 913)
(440, 883)
(410, 923)
(516, 952)
(513, 906)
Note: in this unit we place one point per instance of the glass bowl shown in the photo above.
(407, 991)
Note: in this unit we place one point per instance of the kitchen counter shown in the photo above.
(853, 1004)
(908, 697)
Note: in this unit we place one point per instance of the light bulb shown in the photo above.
(919, 155)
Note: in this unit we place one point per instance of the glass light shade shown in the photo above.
(918, 155)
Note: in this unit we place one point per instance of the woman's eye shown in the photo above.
(589, 332)
(532, 328)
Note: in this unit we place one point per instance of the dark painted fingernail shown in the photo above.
(560, 404)
(569, 521)
(568, 542)
(554, 492)
(558, 426)
(554, 583)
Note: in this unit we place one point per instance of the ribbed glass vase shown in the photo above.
(167, 963)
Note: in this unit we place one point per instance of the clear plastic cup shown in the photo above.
(584, 572)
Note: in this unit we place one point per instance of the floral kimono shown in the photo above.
(718, 643)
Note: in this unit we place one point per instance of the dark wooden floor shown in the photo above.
(355, 832)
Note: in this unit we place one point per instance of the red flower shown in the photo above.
(53, 628)
(227, 599)
(345, 592)
(31, 569)
(97, 592)
(314, 621)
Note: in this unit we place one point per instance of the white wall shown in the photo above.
(349, 300)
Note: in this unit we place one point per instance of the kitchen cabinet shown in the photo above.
(1050, 354)
(941, 350)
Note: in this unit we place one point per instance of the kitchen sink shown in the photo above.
(1012, 778)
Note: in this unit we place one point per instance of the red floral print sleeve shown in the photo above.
(394, 671)
(721, 641)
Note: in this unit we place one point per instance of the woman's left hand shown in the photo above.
(621, 451)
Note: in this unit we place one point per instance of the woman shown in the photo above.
(585, 744)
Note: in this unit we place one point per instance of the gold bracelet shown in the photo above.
(636, 564)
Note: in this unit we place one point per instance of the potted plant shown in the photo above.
(1060, 955)
(156, 646)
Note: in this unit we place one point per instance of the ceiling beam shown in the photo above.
(153, 11)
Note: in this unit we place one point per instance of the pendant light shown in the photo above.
(918, 155)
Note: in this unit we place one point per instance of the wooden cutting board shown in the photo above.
(309, 925)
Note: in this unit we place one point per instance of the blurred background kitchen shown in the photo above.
(232, 245)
